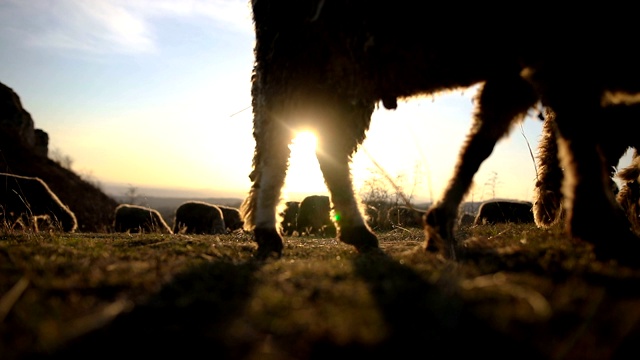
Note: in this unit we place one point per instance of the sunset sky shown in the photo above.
(156, 94)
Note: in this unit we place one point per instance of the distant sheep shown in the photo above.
(198, 217)
(404, 216)
(25, 201)
(372, 216)
(503, 211)
(327, 64)
(314, 216)
(290, 217)
(139, 219)
(232, 218)
(466, 220)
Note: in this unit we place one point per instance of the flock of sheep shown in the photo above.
(29, 203)
(191, 217)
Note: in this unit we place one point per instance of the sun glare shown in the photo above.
(305, 141)
(304, 176)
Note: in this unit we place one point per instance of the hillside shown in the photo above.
(23, 151)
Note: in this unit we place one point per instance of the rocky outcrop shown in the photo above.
(23, 151)
(17, 121)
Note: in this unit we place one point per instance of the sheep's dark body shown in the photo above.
(314, 216)
(404, 216)
(139, 219)
(232, 218)
(504, 211)
(326, 64)
(28, 199)
(199, 217)
(289, 214)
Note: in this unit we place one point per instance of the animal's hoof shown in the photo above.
(360, 237)
(435, 244)
(270, 243)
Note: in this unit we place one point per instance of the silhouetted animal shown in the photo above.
(326, 64)
(290, 217)
(314, 216)
(24, 200)
(503, 211)
(466, 220)
(232, 218)
(404, 216)
(198, 217)
(139, 219)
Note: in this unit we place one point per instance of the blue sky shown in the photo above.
(156, 94)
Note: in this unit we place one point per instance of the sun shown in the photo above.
(304, 176)
(305, 141)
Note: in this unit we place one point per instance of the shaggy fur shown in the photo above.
(327, 64)
(198, 217)
(25, 201)
(629, 194)
(139, 219)
(547, 205)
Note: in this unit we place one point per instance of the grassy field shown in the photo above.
(516, 292)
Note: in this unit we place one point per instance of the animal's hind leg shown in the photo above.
(593, 214)
(499, 103)
(336, 145)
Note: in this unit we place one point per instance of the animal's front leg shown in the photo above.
(500, 102)
(270, 168)
(338, 137)
(547, 206)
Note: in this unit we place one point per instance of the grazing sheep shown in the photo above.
(25, 201)
(289, 214)
(139, 219)
(314, 216)
(232, 218)
(404, 216)
(372, 216)
(198, 217)
(326, 64)
(504, 211)
(466, 220)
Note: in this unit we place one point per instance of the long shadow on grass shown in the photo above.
(425, 320)
(187, 318)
